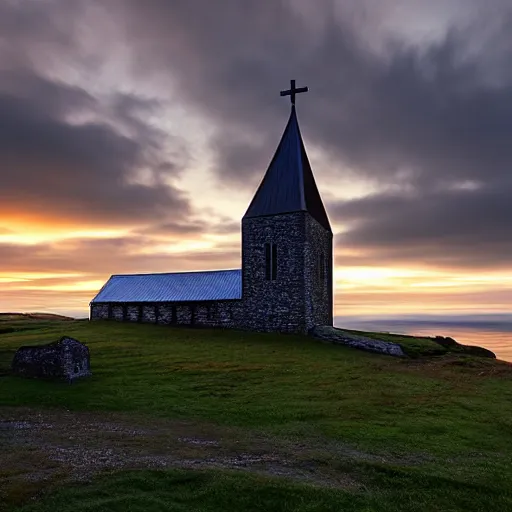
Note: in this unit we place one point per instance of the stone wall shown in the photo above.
(298, 299)
(99, 311)
(228, 313)
(318, 267)
(274, 305)
(301, 295)
(64, 359)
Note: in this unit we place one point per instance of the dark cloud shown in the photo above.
(427, 118)
(97, 258)
(467, 228)
(69, 154)
(425, 110)
(55, 168)
(193, 227)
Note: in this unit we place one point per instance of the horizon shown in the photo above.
(144, 158)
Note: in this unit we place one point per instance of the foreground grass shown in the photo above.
(451, 417)
(175, 490)
(283, 384)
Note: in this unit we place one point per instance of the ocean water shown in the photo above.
(492, 333)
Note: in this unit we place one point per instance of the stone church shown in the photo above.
(285, 283)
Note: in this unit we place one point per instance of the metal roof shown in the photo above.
(289, 184)
(173, 287)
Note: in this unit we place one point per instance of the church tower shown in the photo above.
(287, 243)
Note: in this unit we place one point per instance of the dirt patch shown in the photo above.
(44, 446)
(40, 449)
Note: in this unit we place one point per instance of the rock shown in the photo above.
(473, 350)
(333, 335)
(66, 359)
(444, 341)
(454, 346)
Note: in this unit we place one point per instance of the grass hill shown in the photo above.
(185, 419)
(4, 317)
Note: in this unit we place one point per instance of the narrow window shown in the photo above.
(270, 262)
(274, 262)
(321, 266)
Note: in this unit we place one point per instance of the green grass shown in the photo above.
(282, 384)
(451, 415)
(413, 346)
(191, 491)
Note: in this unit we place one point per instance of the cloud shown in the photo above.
(430, 120)
(133, 253)
(427, 121)
(419, 108)
(447, 228)
(58, 169)
(71, 154)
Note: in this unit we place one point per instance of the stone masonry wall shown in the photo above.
(318, 283)
(99, 311)
(227, 313)
(274, 305)
(64, 359)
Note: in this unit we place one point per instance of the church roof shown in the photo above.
(174, 287)
(289, 185)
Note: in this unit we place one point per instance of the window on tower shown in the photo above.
(270, 262)
(321, 266)
(274, 262)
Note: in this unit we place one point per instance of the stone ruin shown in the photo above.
(66, 359)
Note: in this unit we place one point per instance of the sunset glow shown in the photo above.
(135, 139)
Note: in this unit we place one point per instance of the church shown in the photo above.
(285, 283)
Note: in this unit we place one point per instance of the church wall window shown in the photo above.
(270, 262)
(267, 262)
(321, 266)
(274, 262)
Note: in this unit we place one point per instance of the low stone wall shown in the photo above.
(333, 335)
(227, 313)
(66, 359)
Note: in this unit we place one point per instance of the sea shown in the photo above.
(493, 332)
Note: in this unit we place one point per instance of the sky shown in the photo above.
(133, 136)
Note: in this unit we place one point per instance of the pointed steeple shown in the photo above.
(289, 185)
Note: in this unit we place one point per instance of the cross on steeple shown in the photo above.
(292, 91)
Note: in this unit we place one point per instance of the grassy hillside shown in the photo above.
(313, 426)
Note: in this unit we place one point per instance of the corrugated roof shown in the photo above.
(289, 184)
(173, 287)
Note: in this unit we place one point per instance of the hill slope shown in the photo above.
(371, 432)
